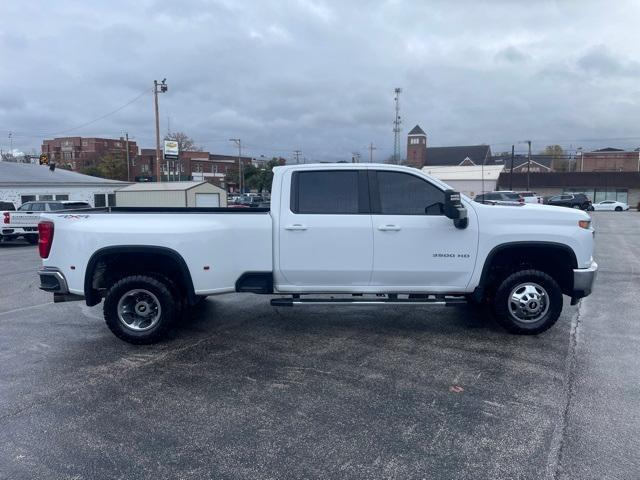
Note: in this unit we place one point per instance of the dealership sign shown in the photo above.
(171, 150)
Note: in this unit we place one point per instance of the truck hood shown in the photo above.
(529, 212)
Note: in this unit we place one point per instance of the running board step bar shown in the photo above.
(290, 302)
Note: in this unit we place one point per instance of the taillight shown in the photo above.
(45, 238)
(6, 218)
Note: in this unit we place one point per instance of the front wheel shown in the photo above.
(140, 309)
(527, 302)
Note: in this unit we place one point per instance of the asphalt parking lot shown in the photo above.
(243, 390)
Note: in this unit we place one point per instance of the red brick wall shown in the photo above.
(417, 150)
(609, 162)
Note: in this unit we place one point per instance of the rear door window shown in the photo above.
(325, 192)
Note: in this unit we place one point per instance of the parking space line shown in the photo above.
(26, 308)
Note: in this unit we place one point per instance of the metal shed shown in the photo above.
(172, 194)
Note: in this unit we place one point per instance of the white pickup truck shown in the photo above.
(24, 221)
(380, 234)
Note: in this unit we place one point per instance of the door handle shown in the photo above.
(389, 228)
(296, 226)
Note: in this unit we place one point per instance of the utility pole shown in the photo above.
(296, 154)
(238, 142)
(529, 167)
(163, 88)
(513, 151)
(10, 143)
(126, 136)
(396, 128)
(371, 149)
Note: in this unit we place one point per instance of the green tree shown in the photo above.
(112, 167)
(258, 178)
(93, 171)
(559, 161)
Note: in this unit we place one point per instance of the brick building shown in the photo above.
(420, 155)
(417, 147)
(213, 168)
(79, 153)
(609, 160)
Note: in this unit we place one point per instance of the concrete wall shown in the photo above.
(159, 198)
(81, 194)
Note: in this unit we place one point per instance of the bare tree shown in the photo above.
(185, 142)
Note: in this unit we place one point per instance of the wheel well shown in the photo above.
(556, 260)
(108, 265)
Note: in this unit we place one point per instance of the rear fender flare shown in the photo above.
(92, 297)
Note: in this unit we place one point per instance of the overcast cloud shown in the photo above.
(319, 76)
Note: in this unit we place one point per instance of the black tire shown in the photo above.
(502, 303)
(618, 209)
(585, 206)
(200, 300)
(167, 313)
(32, 239)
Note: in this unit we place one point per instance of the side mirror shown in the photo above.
(454, 209)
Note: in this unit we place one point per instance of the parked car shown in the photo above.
(251, 200)
(610, 205)
(24, 221)
(531, 197)
(318, 238)
(7, 207)
(500, 198)
(572, 200)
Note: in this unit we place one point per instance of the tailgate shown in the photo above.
(24, 218)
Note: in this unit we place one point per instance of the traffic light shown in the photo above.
(44, 159)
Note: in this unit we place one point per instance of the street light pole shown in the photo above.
(163, 88)
(238, 142)
(528, 164)
(128, 163)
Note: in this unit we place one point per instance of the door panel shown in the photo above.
(326, 239)
(415, 245)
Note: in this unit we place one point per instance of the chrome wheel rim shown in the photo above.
(139, 310)
(528, 302)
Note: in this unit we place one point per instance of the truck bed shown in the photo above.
(166, 210)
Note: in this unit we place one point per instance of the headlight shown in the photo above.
(584, 224)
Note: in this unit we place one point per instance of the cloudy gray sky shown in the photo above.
(319, 76)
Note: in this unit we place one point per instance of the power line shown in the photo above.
(102, 117)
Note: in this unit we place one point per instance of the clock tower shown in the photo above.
(417, 147)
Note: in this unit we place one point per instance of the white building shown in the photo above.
(172, 194)
(471, 180)
(24, 182)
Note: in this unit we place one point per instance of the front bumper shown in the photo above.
(583, 279)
